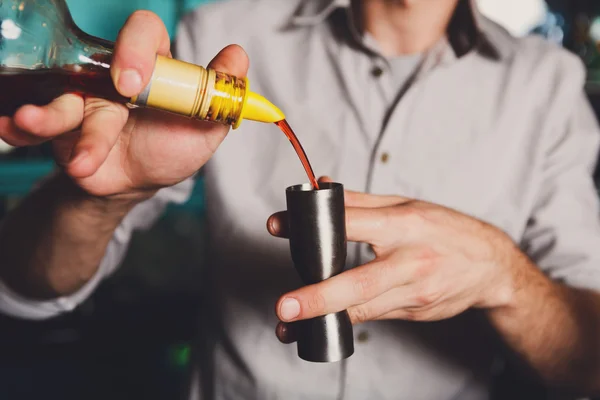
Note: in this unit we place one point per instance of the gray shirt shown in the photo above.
(493, 126)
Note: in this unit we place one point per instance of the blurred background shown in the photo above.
(132, 338)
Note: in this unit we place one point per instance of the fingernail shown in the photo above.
(79, 156)
(130, 82)
(274, 223)
(290, 309)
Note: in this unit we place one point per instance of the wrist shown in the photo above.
(506, 281)
(520, 279)
(117, 205)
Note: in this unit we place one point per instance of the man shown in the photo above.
(422, 99)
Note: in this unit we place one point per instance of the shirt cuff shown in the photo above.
(142, 217)
(18, 306)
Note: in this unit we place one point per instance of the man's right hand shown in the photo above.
(109, 150)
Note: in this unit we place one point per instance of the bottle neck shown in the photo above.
(93, 52)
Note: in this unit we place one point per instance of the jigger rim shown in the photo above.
(307, 187)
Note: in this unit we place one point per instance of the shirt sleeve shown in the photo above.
(563, 233)
(141, 217)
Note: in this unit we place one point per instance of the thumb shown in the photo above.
(142, 37)
(232, 60)
(325, 179)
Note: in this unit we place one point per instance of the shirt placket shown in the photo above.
(361, 75)
(368, 83)
(387, 149)
(384, 164)
(373, 95)
(380, 83)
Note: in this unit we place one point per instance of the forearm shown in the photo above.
(53, 242)
(554, 329)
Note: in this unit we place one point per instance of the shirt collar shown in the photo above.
(464, 30)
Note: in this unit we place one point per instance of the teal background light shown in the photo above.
(104, 18)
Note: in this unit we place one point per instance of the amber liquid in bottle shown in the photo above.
(40, 86)
(287, 130)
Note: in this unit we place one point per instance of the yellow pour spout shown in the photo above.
(257, 108)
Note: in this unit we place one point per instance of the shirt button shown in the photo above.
(363, 336)
(377, 71)
(385, 157)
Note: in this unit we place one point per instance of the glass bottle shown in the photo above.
(43, 54)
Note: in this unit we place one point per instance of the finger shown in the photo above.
(350, 288)
(62, 115)
(99, 133)
(287, 332)
(6, 125)
(357, 199)
(397, 314)
(232, 60)
(63, 147)
(12, 135)
(384, 304)
(375, 226)
(143, 36)
(368, 225)
(428, 314)
(278, 224)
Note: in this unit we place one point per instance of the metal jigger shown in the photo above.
(317, 230)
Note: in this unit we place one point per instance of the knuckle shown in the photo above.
(421, 315)
(108, 109)
(69, 106)
(94, 105)
(412, 214)
(316, 302)
(428, 315)
(359, 314)
(426, 295)
(427, 262)
(389, 213)
(364, 284)
(389, 217)
(411, 315)
(426, 254)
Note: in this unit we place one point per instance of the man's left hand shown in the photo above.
(431, 263)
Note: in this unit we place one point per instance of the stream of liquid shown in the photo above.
(39, 87)
(287, 130)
